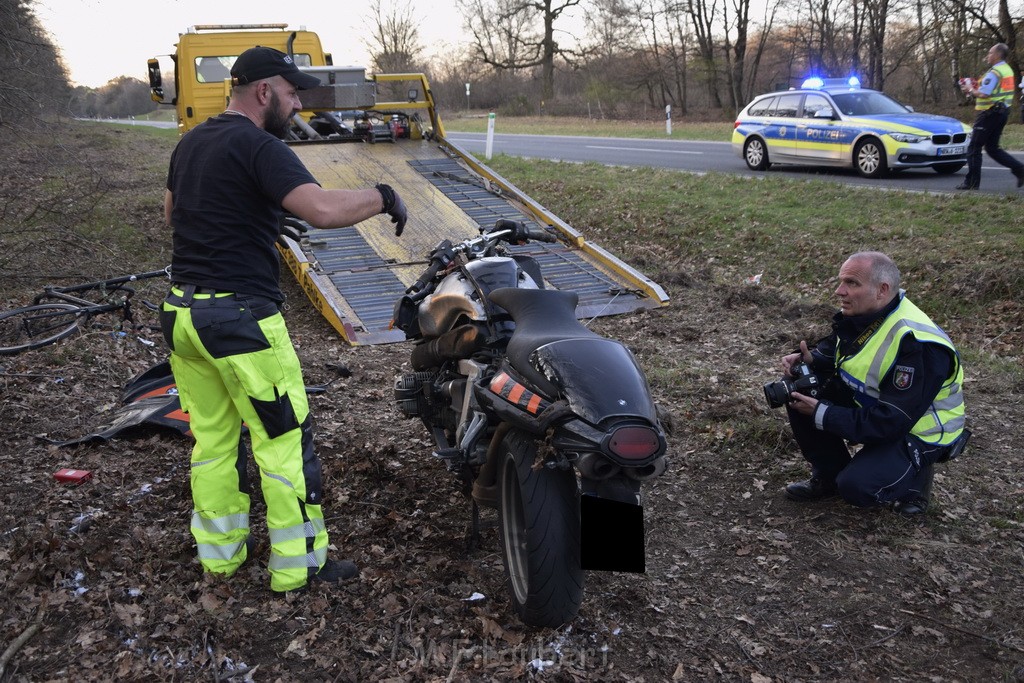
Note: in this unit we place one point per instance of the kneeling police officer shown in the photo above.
(895, 386)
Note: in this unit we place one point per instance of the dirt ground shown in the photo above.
(100, 582)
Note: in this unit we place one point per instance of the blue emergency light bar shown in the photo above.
(815, 83)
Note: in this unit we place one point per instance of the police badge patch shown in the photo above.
(904, 377)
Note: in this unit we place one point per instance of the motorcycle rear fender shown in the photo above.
(599, 378)
(568, 432)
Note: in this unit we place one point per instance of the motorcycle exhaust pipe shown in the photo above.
(596, 466)
(648, 471)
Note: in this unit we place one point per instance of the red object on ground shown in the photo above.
(69, 476)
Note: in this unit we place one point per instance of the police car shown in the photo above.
(835, 122)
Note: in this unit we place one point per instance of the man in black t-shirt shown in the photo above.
(230, 182)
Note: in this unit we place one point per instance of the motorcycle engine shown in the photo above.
(429, 396)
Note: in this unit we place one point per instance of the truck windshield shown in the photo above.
(216, 69)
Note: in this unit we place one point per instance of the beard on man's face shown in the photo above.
(275, 121)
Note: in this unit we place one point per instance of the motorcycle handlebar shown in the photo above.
(521, 232)
(444, 253)
(440, 257)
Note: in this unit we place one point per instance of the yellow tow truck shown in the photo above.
(356, 131)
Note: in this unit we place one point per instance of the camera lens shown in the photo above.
(777, 393)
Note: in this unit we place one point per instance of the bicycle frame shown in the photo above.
(117, 284)
(59, 311)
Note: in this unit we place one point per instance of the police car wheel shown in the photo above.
(755, 152)
(869, 159)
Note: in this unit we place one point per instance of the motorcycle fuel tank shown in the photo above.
(456, 297)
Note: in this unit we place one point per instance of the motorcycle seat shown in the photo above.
(542, 316)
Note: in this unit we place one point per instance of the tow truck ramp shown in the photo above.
(355, 275)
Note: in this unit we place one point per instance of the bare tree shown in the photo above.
(505, 35)
(394, 40)
(702, 17)
(33, 81)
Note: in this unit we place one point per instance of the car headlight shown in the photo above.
(908, 137)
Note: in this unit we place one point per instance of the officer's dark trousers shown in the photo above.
(988, 129)
(879, 474)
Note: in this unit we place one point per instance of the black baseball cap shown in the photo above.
(260, 62)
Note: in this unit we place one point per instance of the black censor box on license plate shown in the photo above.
(611, 535)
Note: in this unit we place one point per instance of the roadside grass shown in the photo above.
(793, 232)
(959, 255)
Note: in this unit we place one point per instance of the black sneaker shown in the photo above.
(811, 489)
(336, 571)
(1020, 179)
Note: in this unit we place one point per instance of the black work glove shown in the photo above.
(292, 228)
(394, 207)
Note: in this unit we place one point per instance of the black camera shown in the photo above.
(803, 380)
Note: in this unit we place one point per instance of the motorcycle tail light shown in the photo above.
(634, 443)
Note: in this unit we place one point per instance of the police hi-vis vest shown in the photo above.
(1004, 88)
(863, 372)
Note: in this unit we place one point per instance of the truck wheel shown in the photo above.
(539, 518)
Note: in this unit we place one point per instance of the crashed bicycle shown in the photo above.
(58, 312)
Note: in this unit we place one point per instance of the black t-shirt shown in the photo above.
(228, 178)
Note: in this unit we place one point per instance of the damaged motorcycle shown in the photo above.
(542, 419)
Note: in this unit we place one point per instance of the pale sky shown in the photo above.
(103, 39)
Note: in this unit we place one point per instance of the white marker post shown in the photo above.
(490, 135)
(668, 119)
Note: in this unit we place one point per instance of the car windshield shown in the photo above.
(867, 104)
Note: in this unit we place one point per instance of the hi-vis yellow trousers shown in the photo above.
(234, 363)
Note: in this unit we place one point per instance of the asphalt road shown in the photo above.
(701, 157)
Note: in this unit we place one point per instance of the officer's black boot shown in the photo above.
(815, 488)
(917, 503)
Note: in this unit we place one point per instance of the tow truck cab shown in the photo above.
(202, 64)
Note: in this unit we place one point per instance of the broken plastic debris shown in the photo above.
(540, 664)
(474, 597)
(753, 279)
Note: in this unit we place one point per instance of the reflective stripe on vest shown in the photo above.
(864, 371)
(1004, 88)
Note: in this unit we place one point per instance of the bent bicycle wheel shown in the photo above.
(35, 326)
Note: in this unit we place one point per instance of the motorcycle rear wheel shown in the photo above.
(539, 518)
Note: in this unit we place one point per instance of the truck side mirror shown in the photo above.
(156, 84)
